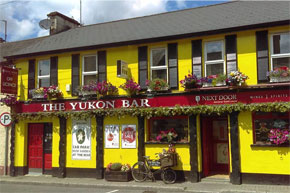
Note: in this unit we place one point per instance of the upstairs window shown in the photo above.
(214, 58)
(280, 50)
(89, 69)
(44, 73)
(159, 63)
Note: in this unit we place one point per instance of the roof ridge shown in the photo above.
(163, 13)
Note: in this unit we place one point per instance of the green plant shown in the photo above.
(157, 85)
(131, 87)
(116, 166)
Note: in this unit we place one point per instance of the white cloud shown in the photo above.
(23, 16)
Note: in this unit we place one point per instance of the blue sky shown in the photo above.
(23, 16)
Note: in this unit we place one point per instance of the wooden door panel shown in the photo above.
(35, 147)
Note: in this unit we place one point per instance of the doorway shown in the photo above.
(215, 146)
(40, 148)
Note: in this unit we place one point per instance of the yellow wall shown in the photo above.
(246, 50)
(267, 160)
(123, 156)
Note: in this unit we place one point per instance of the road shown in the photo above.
(33, 188)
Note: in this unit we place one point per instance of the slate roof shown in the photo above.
(183, 23)
(7, 48)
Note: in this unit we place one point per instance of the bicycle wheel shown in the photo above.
(168, 176)
(139, 172)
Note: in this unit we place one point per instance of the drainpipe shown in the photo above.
(6, 150)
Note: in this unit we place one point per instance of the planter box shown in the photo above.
(118, 176)
(36, 95)
(168, 160)
(280, 79)
(87, 93)
(205, 84)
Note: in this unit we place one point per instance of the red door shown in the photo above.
(35, 146)
(215, 145)
(47, 148)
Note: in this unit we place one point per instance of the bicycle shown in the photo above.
(143, 170)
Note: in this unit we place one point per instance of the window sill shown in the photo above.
(270, 145)
(175, 142)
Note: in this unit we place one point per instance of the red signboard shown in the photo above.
(9, 78)
(245, 97)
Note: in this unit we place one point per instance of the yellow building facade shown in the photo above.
(219, 130)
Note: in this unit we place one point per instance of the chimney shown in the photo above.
(61, 23)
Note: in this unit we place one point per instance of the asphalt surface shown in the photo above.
(45, 184)
(40, 188)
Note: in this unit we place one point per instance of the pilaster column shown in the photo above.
(235, 149)
(62, 148)
(194, 175)
(100, 147)
(141, 132)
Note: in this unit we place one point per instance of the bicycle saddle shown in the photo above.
(146, 157)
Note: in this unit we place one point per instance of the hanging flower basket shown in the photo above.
(237, 78)
(132, 88)
(191, 81)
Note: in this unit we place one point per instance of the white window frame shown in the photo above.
(39, 77)
(272, 49)
(83, 67)
(214, 61)
(158, 67)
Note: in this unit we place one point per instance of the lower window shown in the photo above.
(271, 128)
(168, 129)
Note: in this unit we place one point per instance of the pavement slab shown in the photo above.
(201, 187)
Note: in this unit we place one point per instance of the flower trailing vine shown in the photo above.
(159, 111)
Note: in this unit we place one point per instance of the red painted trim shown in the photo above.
(160, 101)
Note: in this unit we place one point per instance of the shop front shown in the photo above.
(213, 131)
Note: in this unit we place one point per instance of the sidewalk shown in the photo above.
(204, 186)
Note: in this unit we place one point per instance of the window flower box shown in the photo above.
(157, 85)
(280, 74)
(190, 82)
(214, 80)
(37, 93)
(100, 89)
(280, 79)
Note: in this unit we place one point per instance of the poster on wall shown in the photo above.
(112, 136)
(81, 139)
(128, 136)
